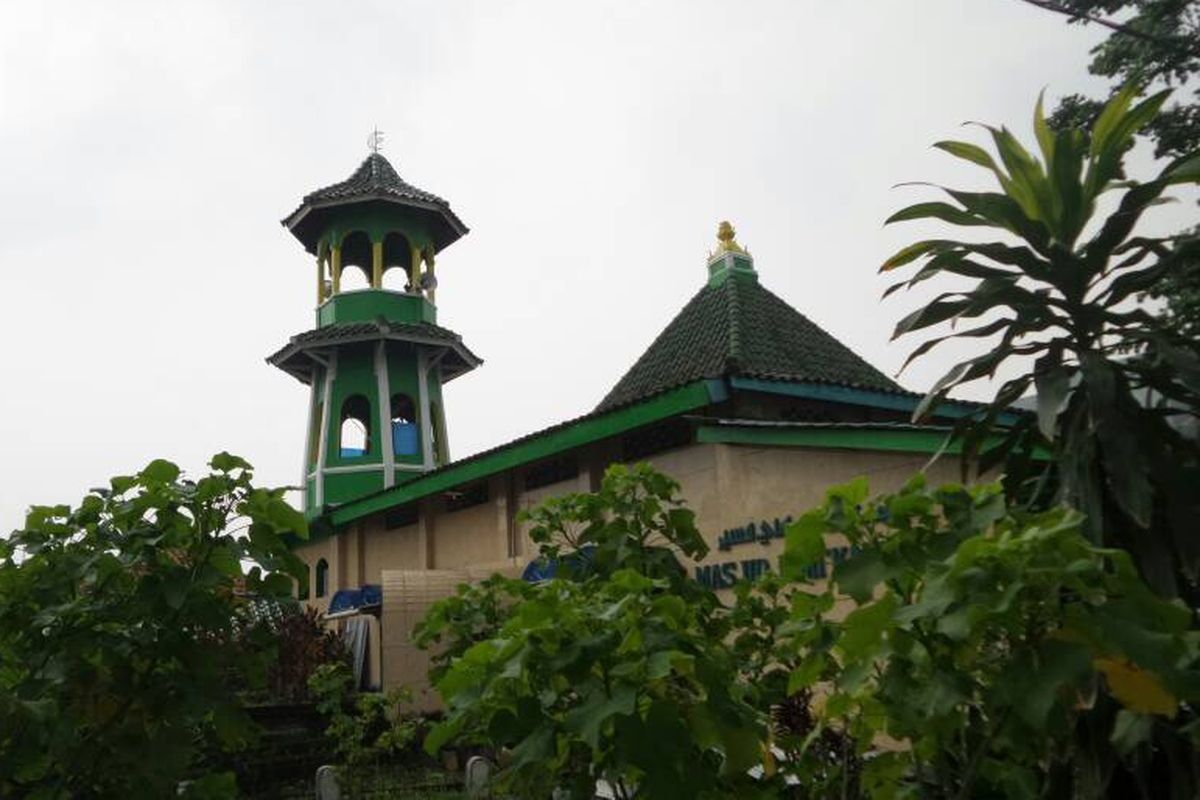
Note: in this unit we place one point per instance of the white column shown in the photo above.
(385, 415)
(423, 399)
(323, 440)
(443, 435)
(308, 435)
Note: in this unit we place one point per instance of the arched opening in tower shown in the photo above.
(405, 440)
(355, 435)
(356, 262)
(397, 263)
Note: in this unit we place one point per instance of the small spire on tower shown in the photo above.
(375, 140)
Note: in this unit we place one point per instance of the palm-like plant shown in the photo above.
(1060, 287)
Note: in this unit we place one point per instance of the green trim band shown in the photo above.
(861, 397)
(847, 437)
(905, 441)
(540, 445)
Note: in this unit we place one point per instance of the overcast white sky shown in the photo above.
(148, 151)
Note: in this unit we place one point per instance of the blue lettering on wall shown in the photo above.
(725, 574)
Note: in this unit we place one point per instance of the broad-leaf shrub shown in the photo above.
(364, 728)
(617, 670)
(115, 625)
(978, 652)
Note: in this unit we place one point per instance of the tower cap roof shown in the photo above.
(375, 181)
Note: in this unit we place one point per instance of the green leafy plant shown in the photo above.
(116, 621)
(989, 653)
(1058, 288)
(616, 670)
(364, 728)
(1154, 43)
(302, 644)
(473, 614)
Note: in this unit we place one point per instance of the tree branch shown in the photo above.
(1169, 41)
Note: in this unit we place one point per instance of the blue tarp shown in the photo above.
(370, 594)
(404, 439)
(541, 569)
(353, 452)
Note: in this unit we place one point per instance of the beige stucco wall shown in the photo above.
(756, 484)
(471, 536)
(727, 486)
(389, 549)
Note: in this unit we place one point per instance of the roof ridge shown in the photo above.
(733, 359)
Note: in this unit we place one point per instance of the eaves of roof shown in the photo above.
(680, 401)
(348, 333)
(543, 444)
(875, 436)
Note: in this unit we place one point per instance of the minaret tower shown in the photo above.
(377, 359)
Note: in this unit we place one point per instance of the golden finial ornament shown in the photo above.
(726, 240)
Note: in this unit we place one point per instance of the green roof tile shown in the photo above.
(738, 327)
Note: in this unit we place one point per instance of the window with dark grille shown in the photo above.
(548, 472)
(400, 517)
(648, 441)
(322, 577)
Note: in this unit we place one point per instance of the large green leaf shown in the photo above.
(598, 709)
(804, 545)
(914, 251)
(1124, 461)
(945, 306)
(865, 629)
(983, 330)
(1053, 381)
(969, 152)
(937, 210)
(1028, 185)
(861, 574)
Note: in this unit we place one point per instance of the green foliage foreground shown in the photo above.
(116, 622)
(1057, 287)
(964, 651)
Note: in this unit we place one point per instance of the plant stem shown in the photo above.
(1168, 41)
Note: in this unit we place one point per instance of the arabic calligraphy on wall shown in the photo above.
(762, 532)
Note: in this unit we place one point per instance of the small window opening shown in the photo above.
(356, 427)
(405, 441)
(322, 578)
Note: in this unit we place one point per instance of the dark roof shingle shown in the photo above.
(292, 357)
(373, 177)
(740, 328)
(375, 180)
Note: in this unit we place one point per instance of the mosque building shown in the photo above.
(749, 405)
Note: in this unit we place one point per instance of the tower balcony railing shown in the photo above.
(366, 305)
